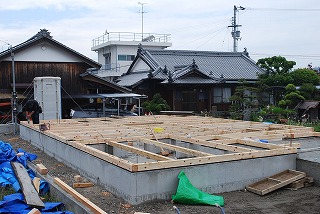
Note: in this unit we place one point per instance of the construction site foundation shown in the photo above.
(159, 184)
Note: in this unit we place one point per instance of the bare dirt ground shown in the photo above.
(282, 201)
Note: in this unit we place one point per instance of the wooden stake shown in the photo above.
(41, 169)
(36, 183)
(163, 152)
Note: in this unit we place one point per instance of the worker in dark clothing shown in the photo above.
(32, 109)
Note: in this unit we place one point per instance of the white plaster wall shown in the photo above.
(140, 65)
(45, 52)
(124, 48)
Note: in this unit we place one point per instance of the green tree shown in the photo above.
(276, 65)
(275, 79)
(292, 97)
(243, 98)
(304, 75)
(290, 88)
(308, 91)
(156, 105)
(276, 73)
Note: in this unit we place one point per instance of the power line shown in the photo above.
(283, 9)
(216, 33)
(289, 55)
(202, 37)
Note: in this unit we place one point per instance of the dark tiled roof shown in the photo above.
(193, 80)
(212, 66)
(232, 65)
(44, 34)
(133, 78)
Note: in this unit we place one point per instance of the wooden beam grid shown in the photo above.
(237, 139)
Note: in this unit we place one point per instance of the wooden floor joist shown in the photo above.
(199, 138)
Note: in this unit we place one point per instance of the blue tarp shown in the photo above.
(15, 203)
(7, 176)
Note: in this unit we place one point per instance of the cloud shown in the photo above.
(195, 25)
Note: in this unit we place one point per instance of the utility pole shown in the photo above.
(14, 94)
(142, 12)
(14, 105)
(235, 32)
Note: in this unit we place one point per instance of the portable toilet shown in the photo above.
(47, 91)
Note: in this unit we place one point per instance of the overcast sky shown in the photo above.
(289, 28)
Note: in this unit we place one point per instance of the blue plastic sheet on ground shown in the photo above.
(14, 204)
(6, 152)
(7, 176)
(26, 157)
(268, 123)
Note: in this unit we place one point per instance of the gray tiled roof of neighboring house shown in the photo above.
(133, 78)
(212, 65)
(193, 80)
(232, 65)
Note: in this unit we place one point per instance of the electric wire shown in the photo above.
(202, 37)
(73, 100)
(224, 39)
(289, 55)
(284, 9)
(24, 96)
(216, 33)
(111, 69)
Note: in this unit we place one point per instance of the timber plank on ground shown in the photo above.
(29, 192)
(94, 208)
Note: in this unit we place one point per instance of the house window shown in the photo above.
(221, 95)
(126, 57)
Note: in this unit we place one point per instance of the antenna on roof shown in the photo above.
(235, 32)
(142, 12)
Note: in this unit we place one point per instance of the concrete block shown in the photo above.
(311, 168)
(7, 128)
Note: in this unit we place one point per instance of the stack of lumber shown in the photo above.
(291, 179)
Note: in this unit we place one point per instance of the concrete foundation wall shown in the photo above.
(311, 168)
(7, 128)
(145, 186)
